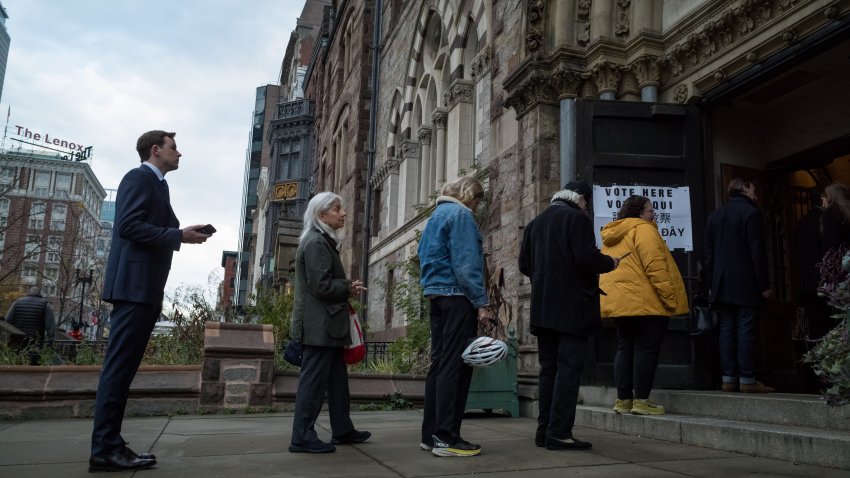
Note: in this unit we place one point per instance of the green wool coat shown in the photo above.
(320, 312)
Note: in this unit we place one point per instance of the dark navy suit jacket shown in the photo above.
(145, 236)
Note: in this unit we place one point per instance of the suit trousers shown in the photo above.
(638, 346)
(131, 327)
(561, 359)
(323, 371)
(454, 322)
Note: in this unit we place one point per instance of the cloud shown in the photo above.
(102, 73)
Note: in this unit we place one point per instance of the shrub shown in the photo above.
(831, 356)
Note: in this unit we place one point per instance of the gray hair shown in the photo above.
(567, 195)
(320, 203)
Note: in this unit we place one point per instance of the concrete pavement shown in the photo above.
(255, 445)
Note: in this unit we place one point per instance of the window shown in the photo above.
(62, 189)
(48, 289)
(28, 274)
(289, 165)
(32, 248)
(42, 183)
(48, 285)
(54, 249)
(57, 217)
(37, 215)
(4, 211)
(101, 248)
(7, 174)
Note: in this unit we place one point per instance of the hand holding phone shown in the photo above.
(208, 229)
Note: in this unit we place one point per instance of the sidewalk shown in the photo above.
(212, 446)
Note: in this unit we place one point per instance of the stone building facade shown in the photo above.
(337, 84)
(531, 94)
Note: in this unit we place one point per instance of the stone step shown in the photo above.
(797, 444)
(772, 408)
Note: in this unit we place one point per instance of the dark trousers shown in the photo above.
(638, 345)
(737, 343)
(453, 323)
(561, 359)
(322, 372)
(132, 324)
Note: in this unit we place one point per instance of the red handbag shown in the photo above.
(355, 352)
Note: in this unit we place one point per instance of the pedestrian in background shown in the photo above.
(641, 295)
(836, 216)
(451, 260)
(559, 255)
(321, 322)
(144, 239)
(33, 315)
(736, 271)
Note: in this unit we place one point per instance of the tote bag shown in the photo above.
(355, 352)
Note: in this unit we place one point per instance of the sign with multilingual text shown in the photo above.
(672, 210)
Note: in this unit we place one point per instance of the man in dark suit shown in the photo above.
(736, 271)
(559, 255)
(145, 235)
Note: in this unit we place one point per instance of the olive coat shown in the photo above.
(647, 281)
(320, 311)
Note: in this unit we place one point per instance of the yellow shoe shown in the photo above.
(645, 407)
(623, 406)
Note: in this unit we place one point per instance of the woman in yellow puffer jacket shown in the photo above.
(642, 294)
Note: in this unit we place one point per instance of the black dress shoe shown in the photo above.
(566, 444)
(143, 456)
(120, 460)
(354, 436)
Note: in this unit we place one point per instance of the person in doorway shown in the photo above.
(34, 316)
(145, 236)
(737, 275)
(451, 260)
(642, 293)
(559, 255)
(321, 323)
(836, 216)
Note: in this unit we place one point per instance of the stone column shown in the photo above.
(238, 368)
(425, 177)
(439, 118)
(460, 130)
(607, 78)
(648, 74)
(568, 83)
(408, 154)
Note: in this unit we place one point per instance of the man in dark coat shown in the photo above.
(736, 271)
(560, 256)
(145, 235)
(34, 316)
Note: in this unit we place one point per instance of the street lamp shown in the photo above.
(82, 279)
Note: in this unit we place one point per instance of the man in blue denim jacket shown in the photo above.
(452, 276)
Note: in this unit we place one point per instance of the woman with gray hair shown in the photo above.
(320, 322)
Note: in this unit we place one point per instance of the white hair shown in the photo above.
(320, 203)
(567, 195)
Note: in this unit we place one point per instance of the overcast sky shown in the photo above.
(101, 72)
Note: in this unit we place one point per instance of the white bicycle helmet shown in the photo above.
(484, 352)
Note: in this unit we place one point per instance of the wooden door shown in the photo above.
(631, 143)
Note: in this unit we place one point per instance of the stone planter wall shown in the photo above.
(69, 390)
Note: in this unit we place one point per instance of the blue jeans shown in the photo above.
(737, 343)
